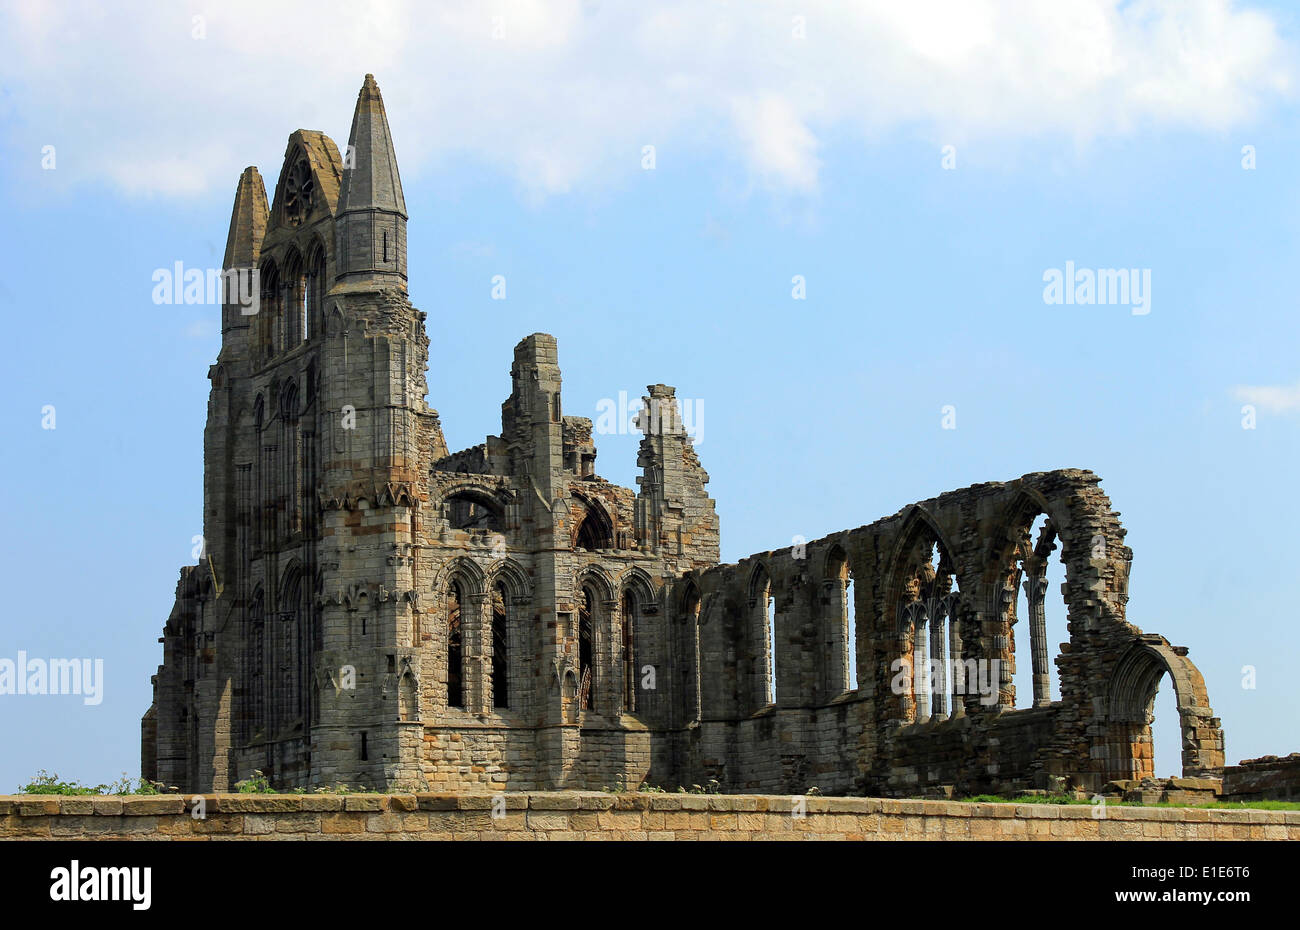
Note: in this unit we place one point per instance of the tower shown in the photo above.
(381, 438)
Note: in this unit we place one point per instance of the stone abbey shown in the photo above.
(376, 610)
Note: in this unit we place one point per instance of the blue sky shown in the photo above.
(1097, 139)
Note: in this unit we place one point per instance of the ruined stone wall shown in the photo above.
(1264, 779)
(953, 563)
(373, 609)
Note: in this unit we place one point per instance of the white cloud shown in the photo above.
(571, 90)
(1277, 399)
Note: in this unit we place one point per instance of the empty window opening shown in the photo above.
(586, 651)
(500, 649)
(594, 530)
(929, 614)
(850, 610)
(629, 652)
(770, 614)
(455, 657)
(1040, 615)
(468, 511)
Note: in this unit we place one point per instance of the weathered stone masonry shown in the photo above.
(375, 610)
(601, 816)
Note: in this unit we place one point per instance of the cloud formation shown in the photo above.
(1270, 399)
(560, 94)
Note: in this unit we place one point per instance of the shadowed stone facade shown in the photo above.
(374, 610)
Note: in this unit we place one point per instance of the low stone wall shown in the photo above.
(590, 816)
(1265, 778)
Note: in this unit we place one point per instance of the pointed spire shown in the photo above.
(247, 221)
(370, 178)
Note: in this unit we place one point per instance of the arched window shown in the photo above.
(313, 294)
(592, 528)
(500, 649)
(256, 717)
(690, 651)
(928, 617)
(469, 510)
(1039, 607)
(762, 638)
(268, 311)
(292, 322)
(455, 644)
(587, 649)
(842, 634)
(629, 652)
(290, 658)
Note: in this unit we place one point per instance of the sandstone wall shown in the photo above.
(591, 816)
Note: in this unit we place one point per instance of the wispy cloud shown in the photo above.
(1271, 399)
(564, 93)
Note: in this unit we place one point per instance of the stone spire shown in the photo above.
(243, 247)
(370, 178)
(371, 218)
(247, 221)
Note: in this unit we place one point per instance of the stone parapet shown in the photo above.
(602, 816)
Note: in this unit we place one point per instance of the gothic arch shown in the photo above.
(688, 605)
(512, 576)
(923, 609)
(336, 323)
(294, 276)
(595, 529)
(637, 581)
(836, 558)
(917, 524)
(757, 684)
(759, 577)
(288, 400)
(839, 661)
(1130, 696)
(316, 281)
(268, 309)
(470, 572)
(1017, 517)
(471, 506)
(598, 579)
(292, 574)
(1016, 568)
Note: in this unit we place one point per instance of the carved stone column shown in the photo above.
(938, 660)
(959, 686)
(921, 669)
(1035, 590)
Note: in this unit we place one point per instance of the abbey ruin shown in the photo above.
(376, 610)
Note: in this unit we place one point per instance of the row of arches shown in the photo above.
(943, 636)
(789, 659)
(476, 509)
(489, 650)
(290, 301)
(806, 649)
(282, 635)
(941, 670)
(286, 461)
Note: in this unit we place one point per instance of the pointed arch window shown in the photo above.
(629, 651)
(587, 649)
(455, 648)
(500, 649)
(762, 637)
(929, 615)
